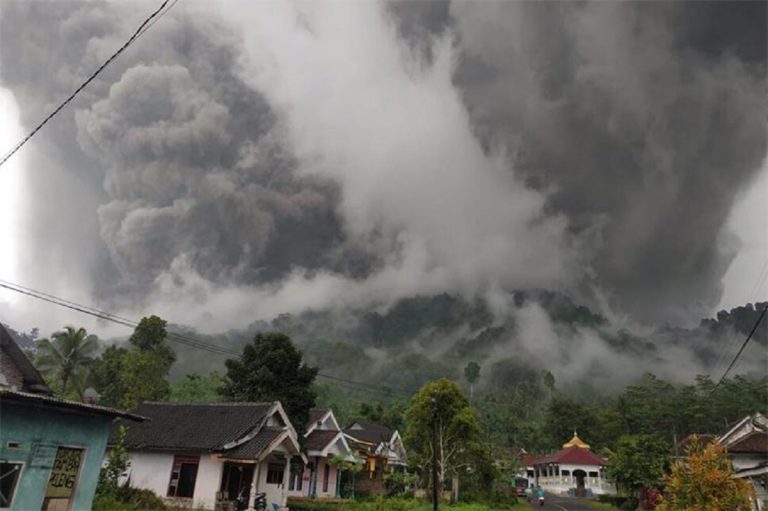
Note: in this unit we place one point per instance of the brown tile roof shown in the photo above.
(316, 414)
(369, 432)
(193, 426)
(319, 440)
(253, 448)
(754, 442)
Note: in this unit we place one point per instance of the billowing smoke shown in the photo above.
(239, 163)
(641, 121)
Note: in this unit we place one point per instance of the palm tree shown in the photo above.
(65, 356)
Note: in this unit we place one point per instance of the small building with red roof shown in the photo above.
(573, 469)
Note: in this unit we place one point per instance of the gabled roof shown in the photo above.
(253, 448)
(33, 381)
(369, 432)
(755, 422)
(755, 442)
(209, 427)
(575, 456)
(319, 440)
(317, 416)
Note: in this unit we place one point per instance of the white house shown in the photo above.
(196, 454)
(324, 440)
(574, 469)
(747, 445)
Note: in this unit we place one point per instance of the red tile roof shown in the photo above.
(574, 455)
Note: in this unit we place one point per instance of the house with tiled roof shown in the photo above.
(747, 445)
(51, 449)
(209, 455)
(382, 451)
(573, 469)
(324, 443)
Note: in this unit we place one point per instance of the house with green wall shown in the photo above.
(51, 449)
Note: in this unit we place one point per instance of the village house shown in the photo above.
(575, 469)
(325, 443)
(746, 442)
(209, 454)
(747, 445)
(382, 451)
(51, 449)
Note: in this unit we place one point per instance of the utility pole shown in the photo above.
(435, 493)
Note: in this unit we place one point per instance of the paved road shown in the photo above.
(557, 503)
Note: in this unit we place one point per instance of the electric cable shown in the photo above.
(148, 22)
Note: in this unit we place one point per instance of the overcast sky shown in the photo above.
(245, 159)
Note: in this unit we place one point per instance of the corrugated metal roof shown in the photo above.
(54, 402)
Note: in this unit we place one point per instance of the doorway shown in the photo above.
(236, 480)
(580, 476)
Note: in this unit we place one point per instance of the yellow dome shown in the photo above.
(576, 442)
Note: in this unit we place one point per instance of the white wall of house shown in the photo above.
(208, 482)
(562, 483)
(151, 471)
(274, 491)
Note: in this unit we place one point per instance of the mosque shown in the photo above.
(575, 470)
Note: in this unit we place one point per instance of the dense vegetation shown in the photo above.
(372, 366)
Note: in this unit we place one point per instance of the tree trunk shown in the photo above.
(455, 489)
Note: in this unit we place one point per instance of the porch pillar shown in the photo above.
(286, 482)
(338, 481)
(313, 484)
(254, 486)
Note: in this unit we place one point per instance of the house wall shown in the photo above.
(561, 484)
(274, 491)
(208, 482)
(151, 471)
(39, 432)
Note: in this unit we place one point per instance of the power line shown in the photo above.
(185, 340)
(746, 341)
(157, 14)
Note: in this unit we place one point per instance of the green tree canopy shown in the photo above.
(271, 369)
(637, 461)
(150, 336)
(440, 415)
(195, 388)
(65, 357)
(125, 378)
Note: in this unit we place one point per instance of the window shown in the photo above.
(9, 478)
(557, 470)
(183, 476)
(593, 474)
(326, 477)
(62, 481)
(275, 473)
(531, 474)
(297, 475)
(566, 472)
